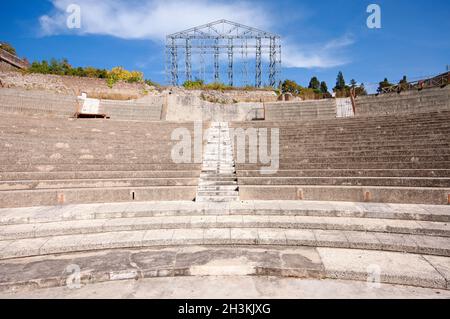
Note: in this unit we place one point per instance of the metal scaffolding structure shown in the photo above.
(223, 45)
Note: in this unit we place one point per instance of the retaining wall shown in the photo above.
(32, 102)
(193, 108)
(314, 109)
(427, 100)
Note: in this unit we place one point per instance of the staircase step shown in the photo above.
(218, 180)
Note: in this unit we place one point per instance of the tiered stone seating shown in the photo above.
(393, 159)
(61, 161)
(409, 244)
(305, 110)
(138, 218)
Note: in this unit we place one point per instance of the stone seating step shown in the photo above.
(295, 262)
(349, 173)
(209, 193)
(378, 144)
(368, 225)
(289, 152)
(212, 187)
(27, 198)
(349, 181)
(217, 183)
(17, 176)
(116, 166)
(217, 198)
(415, 244)
(354, 165)
(44, 214)
(380, 194)
(97, 183)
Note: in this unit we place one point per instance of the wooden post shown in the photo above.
(352, 97)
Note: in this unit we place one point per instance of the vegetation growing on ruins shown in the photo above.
(63, 67)
(342, 90)
(8, 48)
(315, 90)
(319, 90)
(383, 84)
(217, 86)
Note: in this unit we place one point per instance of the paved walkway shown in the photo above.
(231, 287)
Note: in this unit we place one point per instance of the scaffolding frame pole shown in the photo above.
(216, 61)
(222, 37)
(258, 72)
(188, 60)
(230, 62)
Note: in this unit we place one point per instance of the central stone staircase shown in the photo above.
(218, 181)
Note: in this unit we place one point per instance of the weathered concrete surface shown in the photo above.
(190, 107)
(51, 271)
(232, 287)
(396, 268)
(300, 111)
(374, 267)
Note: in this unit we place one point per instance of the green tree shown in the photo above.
(314, 83)
(383, 84)
(353, 83)
(360, 90)
(403, 84)
(340, 82)
(323, 87)
(289, 86)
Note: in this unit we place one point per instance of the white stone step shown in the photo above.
(218, 183)
(217, 199)
(208, 188)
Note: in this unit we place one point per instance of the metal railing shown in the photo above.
(13, 59)
(437, 81)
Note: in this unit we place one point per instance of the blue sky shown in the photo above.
(320, 38)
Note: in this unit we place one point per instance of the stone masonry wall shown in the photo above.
(300, 110)
(6, 67)
(427, 100)
(35, 102)
(190, 107)
(69, 85)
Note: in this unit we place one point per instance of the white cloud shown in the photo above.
(328, 55)
(149, 19)
(154, 19)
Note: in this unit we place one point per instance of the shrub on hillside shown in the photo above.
(62, 67)
(218, 86)
(194, 85)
